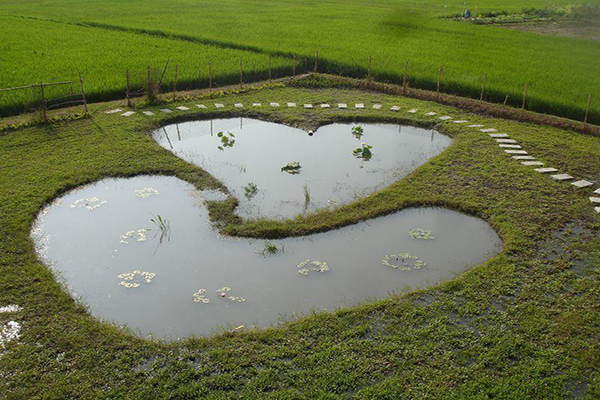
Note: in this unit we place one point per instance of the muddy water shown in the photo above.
(92, 236)
(330, 172)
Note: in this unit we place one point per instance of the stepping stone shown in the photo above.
(359, 105)
(201, 106)
(597, 209)
(561, 177)
(498, 135)
(166, 110)
(595, 199)
(431, 113)
(256, 104)
(524, 157)
(545, 170)
(308, 106)
(274, 104)
(148, 113)
(515, 152)
(506, 141)
(128, 114)
(532, 163)
(510, 146)
(582, 183)
(445, 118)
(475, 126)
(325, 105)
(342, 105)
(597, 191)
(291, 104)
(460, 121)
(116, 110)
(487, 130)
(182, 108)
(412, 110)
(219, 105)
(395, 108)
(377, 106)
(238, 105)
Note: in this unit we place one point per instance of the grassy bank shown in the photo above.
(524, 324)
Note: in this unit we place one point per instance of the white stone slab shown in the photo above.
(582, 183)
(498, 135)
(412, 110)
(201, 106)
(308, 106)
(597, 209)
(561, 177)
(166, 110)
(460, 121)
(475, 126)
(597, 191)
(128, 114)
(395, 108)
(238, 105)
(274, 104)
(595, 199)
(377, 106)
(291, 104)
(532, 163)
(116, 110)
(256, 105)
(488, 130)
(524, 157)
(359, 105)
(148, 113)
(431, 113)
(182, 108)
(515, 152)
(445, 118)
(325, 105)
(506, 141)
(510, 146)
(545, 170)
(342, 105)
(219, 105)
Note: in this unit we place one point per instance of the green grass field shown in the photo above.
(560, 71)
(522, 325)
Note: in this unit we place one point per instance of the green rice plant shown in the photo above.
(163, 225)
(271, 249)
(250, 190)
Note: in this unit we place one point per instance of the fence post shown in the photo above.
(439, 80)
(43, 101)
(369, 70)
(482, 87)
(210, 76)
(524, 98)
(85, 106)
(404, 78)
(175, 81)
(127, 91)
(316, 62)
(241, 73)
(587, 109)
(270, 72)
(294, 66)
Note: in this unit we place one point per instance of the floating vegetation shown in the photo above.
(227, 140)
(406, 261)
(199, 297)
(129, 277)
(10, 331)
(364, 152)
(139, 236)
(12, 308)
(89, 203)
(357, 131)
(146, 192)
(250, 190)
(292, 167)
(421, 233)
(270, 249)
(223, 293)
(319, 266)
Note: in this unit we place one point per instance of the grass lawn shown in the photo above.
(523, 324)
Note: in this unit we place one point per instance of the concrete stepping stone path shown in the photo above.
(274, 104)
(515, 152)
(595, 199)
(359, 105)
(498, 135)
(510, 146)
(256, 104)
(308, 106)
(597, 209)
(445, 118)
(342, 105)
(219, 105)
(524, 157)
(532, 163)
(546, 170)
(238, 105)
(582, 183)
(128, 114)
(476, 126)
(201, 106)
(377, 106)
(291, 104)
(413, 110)
(116, 110)
(506, 141)
(182, 108)
(488, 130)
(325, 105)
(431, 113)
(460, 121)
(597, 191)
(395, 108)
(148, 113)
(561, 177)
(166, 110)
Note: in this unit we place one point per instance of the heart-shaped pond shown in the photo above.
(141, 252)
(248, 155)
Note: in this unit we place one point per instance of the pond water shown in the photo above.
(102, 243)
(253, 153)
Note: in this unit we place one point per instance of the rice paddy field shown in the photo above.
(560, 72)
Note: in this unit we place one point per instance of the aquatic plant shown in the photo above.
(292, 167)
(319, 266)
(139, 235)
(146, 192)
(250, 190)
(129, 277)
(199, 297)
(357, 131)
(227, 140)
(270, 249)
(89, 203)
(421, 233)
(405, 261)
(163, 225)
(364, 152)
(306, 196)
